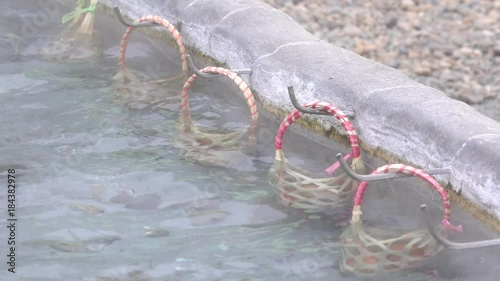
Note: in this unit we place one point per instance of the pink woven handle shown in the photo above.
(400, 168)
(296, 114)
(245, 89)
(154, 19)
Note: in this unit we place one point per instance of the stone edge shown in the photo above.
(474, 184)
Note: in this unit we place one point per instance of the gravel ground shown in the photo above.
(451, 45)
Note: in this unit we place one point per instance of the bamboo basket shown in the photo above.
(297, 187)
(171, 29)
(131, 87)
(206, 147)
(367, 251)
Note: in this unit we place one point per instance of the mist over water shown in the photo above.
(102, 193)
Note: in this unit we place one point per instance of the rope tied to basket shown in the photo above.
(80, 9)
(297, 187)
(202, 146)
(368, 251)
(163, 22)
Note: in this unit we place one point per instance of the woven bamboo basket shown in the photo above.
(133, 87)
(208, 147)
(367, 251)
(300, 189)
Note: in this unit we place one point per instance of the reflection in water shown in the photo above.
(132, 87)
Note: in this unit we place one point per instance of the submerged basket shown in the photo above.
(76, 42)
(210, 147)
(163, 22)
(367, 251)
(132, 87)
(298, 188)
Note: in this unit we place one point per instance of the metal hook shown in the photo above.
(132, 24)
(384, 176)
(211, 75)
(454, 245)
(293, 98)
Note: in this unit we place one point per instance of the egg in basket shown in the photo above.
(300, 189)
(133, 88)
(367, 251)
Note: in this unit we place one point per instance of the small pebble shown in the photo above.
(423, 39)
(207, 217)
(138, 275)
(149, 201)
(96, 191)
(122, 197)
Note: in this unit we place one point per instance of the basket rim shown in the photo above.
(405, 169)
(332, 110)
(163, 22)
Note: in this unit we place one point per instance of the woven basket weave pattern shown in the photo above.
(370, 251)
(197, 145)
(297, 187)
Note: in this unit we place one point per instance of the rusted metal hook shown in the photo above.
(384, 176)
(132, 24)
(210, 75)
(454, 245)
(293, 99)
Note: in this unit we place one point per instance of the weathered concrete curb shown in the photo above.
(397, 118)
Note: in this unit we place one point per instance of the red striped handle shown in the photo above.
(404, 169)
(245, 89)
(173, 31)
(346, 123)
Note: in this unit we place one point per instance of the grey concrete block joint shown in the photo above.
(393, 112)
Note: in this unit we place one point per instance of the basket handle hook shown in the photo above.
(295, 103)
(131, 24)
(210, 75)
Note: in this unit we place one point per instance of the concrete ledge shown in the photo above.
(396, 117)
